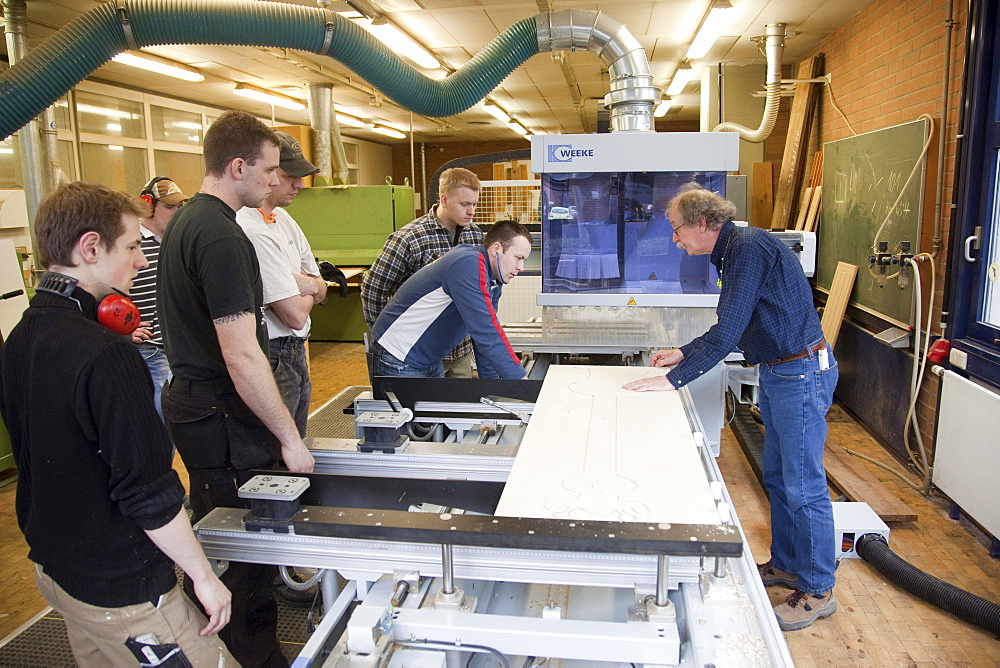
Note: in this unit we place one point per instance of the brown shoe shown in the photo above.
(801, 609)
(772, 577)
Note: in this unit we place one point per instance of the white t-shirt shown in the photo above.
(282, 250)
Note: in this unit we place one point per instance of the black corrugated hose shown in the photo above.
(971, 608)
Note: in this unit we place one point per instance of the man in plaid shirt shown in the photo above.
(419, 243)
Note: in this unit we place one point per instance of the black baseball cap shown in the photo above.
(292, 160)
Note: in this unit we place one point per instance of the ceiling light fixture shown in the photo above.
(682, 76)
(662, 108)
(712, 27)
(350, 121)
(268, 97)
(151, 63)
(389, 132)
(397, 40)
(517, 127)
(496, 112)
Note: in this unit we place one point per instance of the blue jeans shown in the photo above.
(794, 399)
(382, 363)
(291, 373)
(155, 358)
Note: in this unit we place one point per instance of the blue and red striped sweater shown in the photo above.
(451, 298)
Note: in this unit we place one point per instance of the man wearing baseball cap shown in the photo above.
(291, 278)
(164, 197)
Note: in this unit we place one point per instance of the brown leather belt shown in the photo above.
(815, 348)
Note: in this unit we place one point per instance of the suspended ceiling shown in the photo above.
(544, 94)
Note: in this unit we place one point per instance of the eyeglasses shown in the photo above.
(676, 228)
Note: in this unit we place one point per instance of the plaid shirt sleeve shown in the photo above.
(742, 284)
(391, 268)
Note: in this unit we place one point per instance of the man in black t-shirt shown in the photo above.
(222, 408)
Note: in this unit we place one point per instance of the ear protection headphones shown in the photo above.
(148, 195)
(115, 310)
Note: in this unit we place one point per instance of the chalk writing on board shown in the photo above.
(865, 176)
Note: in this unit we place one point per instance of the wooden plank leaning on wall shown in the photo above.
(799, 125)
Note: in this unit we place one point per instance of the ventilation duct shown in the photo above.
(70, 55)
(774, 47)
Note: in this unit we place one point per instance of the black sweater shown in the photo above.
(93, 458)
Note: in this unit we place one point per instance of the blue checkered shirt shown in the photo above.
(409, 248)
(765, 306)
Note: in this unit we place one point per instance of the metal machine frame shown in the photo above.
(594, 591)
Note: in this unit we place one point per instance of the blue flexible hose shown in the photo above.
(53, 68)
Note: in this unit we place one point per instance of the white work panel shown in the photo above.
(593, 451)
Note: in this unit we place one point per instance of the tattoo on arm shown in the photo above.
(230, 318)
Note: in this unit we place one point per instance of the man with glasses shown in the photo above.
(766, 309)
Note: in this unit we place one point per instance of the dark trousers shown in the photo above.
(209, 430)
(291, 374)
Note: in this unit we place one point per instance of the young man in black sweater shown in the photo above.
(97, 499)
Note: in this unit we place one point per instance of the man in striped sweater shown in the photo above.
(449, 299)
(164, 197)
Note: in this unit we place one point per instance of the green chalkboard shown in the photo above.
(862, 178)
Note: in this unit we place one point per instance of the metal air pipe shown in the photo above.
(30, 145)
(328, 144)
(774, 46)
(320, 103)
(632, 94)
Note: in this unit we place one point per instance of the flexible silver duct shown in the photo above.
(632, 94)
(774, 46)
(338, 156)
(31, 149)
(328, 144)
(54, 174)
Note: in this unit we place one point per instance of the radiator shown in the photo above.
(967, 449)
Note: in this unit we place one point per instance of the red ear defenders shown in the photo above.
(118, 313)
(147, 195)
(115, 310)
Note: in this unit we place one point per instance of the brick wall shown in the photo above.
(887, 67)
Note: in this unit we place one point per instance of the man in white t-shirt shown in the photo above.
(292, 284)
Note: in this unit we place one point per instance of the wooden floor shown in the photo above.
(877, 624)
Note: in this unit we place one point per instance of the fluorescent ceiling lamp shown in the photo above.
(388, 132)
(711, 29)
(268, 97)
(115, 147)
(496, 112)
(186, 125)
(350, 121)
(114, 127)
(397, 41)
(4, 149)
(517, 127)
(662, 108)
(159, 65)
(681, 78)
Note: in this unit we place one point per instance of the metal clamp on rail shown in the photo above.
(274, 501)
